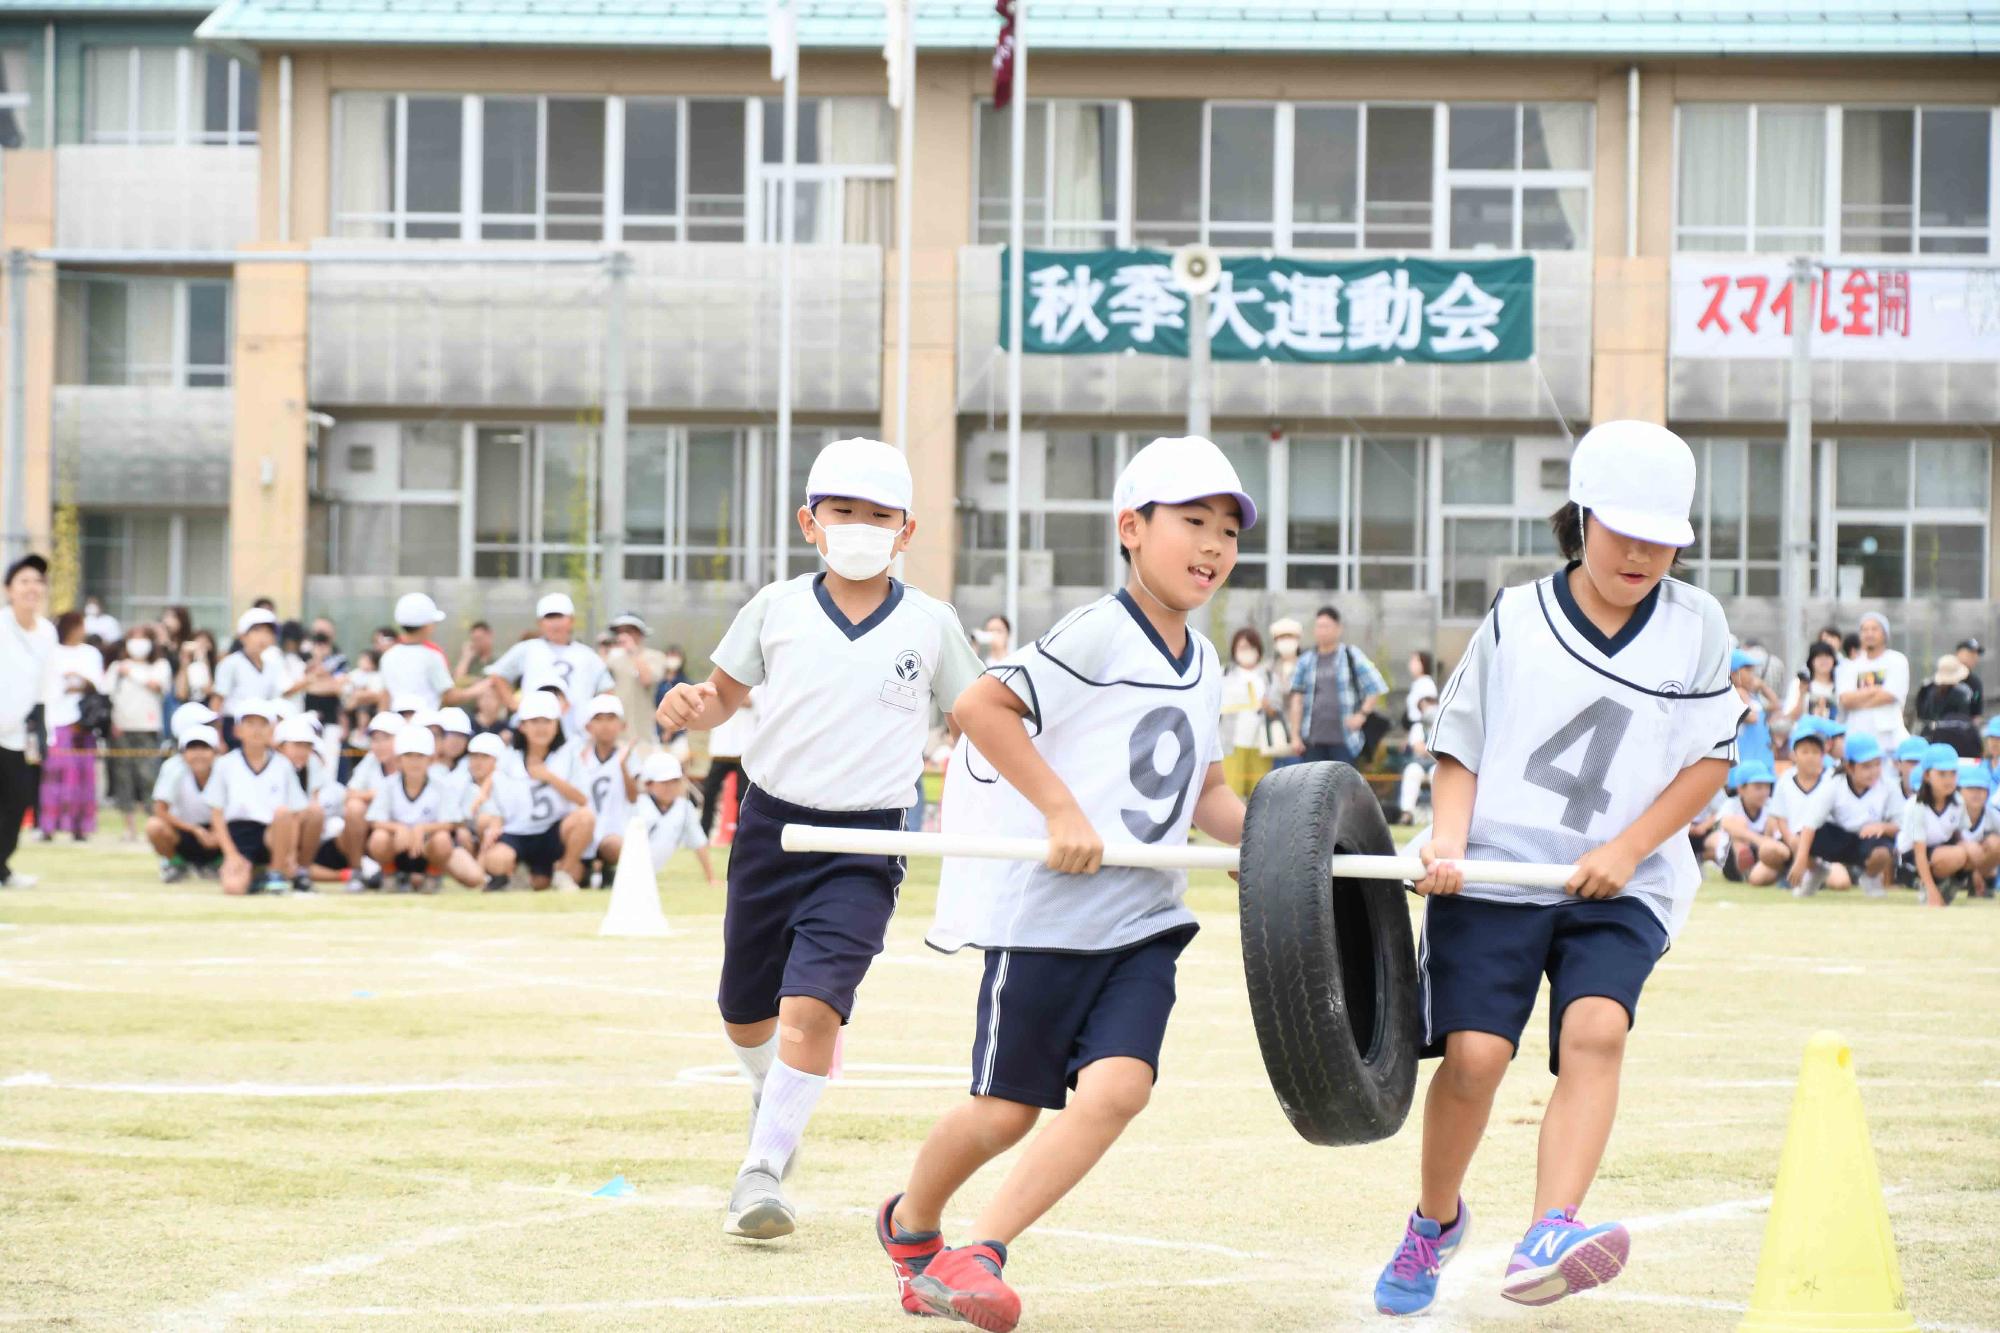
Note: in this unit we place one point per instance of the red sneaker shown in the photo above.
(909, 1252)
(964, 1283)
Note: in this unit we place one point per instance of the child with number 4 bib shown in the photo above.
(1591, 718)
(847, 665)
(1104, 728)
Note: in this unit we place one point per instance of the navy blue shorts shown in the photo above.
(801, 923)
(1481, 963)
(191, 850)
(248, 835)
(1043, 1016)
(537, 851)
(1839, 846)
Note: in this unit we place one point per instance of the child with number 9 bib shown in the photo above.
(1105, 728)
(1590, 720)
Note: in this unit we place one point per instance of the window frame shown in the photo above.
(1831, 516)
(1118, 230)
(187, 115)
(177, 371)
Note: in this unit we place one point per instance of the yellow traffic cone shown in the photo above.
(1829, 1262)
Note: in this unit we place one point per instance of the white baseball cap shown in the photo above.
(488, 744)
(604, 705)
(555, 604)
(452, 720)
(862, 469)
(252, 618)
(430, 717)
(414, 609)
(661, 767)
(294, 729)
(264, 708)
(1175, 469)
(630, 621)
(415, 740)
(543, 681)
(199, 734)
(388, 723)
(406, 703)
(189, 716)
(1637, 479)
(540, 703)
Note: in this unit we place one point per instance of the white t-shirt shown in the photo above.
(242, 792)
(1574, 735)
(1986, 826)
(240, 681)
(65, 707)
(581, 670)
(526, 805)
(367, 776)
(186, 799)
(414, 669)
(604, 783)
(1799, 807)
(1892, 672)
(669, 830)
(433, 803)
(138, 694)
(1733, 809)
(1932, 828)
(25, 655)
(844, 709)
(729, 740)
(1855, 811)
(1422, 688)
(1131, 730)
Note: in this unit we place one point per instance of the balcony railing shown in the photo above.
(122, 446)
(155, 197)
(1157, 385)
(701, 323)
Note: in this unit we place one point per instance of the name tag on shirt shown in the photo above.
(900, 696)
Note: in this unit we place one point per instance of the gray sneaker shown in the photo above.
(756, 1209)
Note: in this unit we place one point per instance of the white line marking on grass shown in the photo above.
(40, 1080)
(903, 1076)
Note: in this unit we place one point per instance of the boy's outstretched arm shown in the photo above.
(1218, 811)
(701, 707)
(992, 716)
(1602, 871)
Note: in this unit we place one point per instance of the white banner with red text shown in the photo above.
(1887, 308)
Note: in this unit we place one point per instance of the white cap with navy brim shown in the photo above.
(1175, 469)
(1637, 479)
(861, 469)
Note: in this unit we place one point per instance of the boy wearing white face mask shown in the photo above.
(847, 665)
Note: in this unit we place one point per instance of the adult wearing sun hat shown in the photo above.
(1947, 713)
(1873, 685)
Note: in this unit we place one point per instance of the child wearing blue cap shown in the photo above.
(1753, 734)
(1982, 825)
(1851, 829)
(1798, 801)
(1990, 745)
(1930, 852)
(1755, 847)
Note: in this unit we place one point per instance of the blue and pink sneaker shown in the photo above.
(1560, 1256)
(1410, 1283)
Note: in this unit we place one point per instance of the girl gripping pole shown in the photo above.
(1590, 720)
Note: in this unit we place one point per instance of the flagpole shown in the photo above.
(787, 219)
(905, 180)
(1016, 266)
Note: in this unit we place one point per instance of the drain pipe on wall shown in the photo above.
(1632, 162)
(285, 147)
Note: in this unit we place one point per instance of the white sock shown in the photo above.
(788, 1102)
(756, 1062)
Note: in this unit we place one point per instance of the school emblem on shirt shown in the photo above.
(900, 690)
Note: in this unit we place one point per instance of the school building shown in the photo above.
(245, 376)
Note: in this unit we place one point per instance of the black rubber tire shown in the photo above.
(1330, 964)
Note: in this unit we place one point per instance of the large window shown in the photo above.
(1738, 517)
(1910, 517)
(1784, 177)
(417, 166)
(1497, 493)
(1337, 512)
(167, 95)
(142, 561)
(156, 332)
(1285, 175)
(14, 67)
(1072, 192)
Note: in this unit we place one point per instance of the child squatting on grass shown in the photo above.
(1591, 718)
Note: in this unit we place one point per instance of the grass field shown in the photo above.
(369, 1113)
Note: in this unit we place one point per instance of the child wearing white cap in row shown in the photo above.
(847, 665)
(556, 653)
(369, 776)
(413, 667)
(181, 828)
(608, 773)
(256, 800)
(412, 820)
(669, 817)
(481, 820)
(254, 673)
(546, 823)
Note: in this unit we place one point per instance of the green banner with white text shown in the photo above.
(1304, 310)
